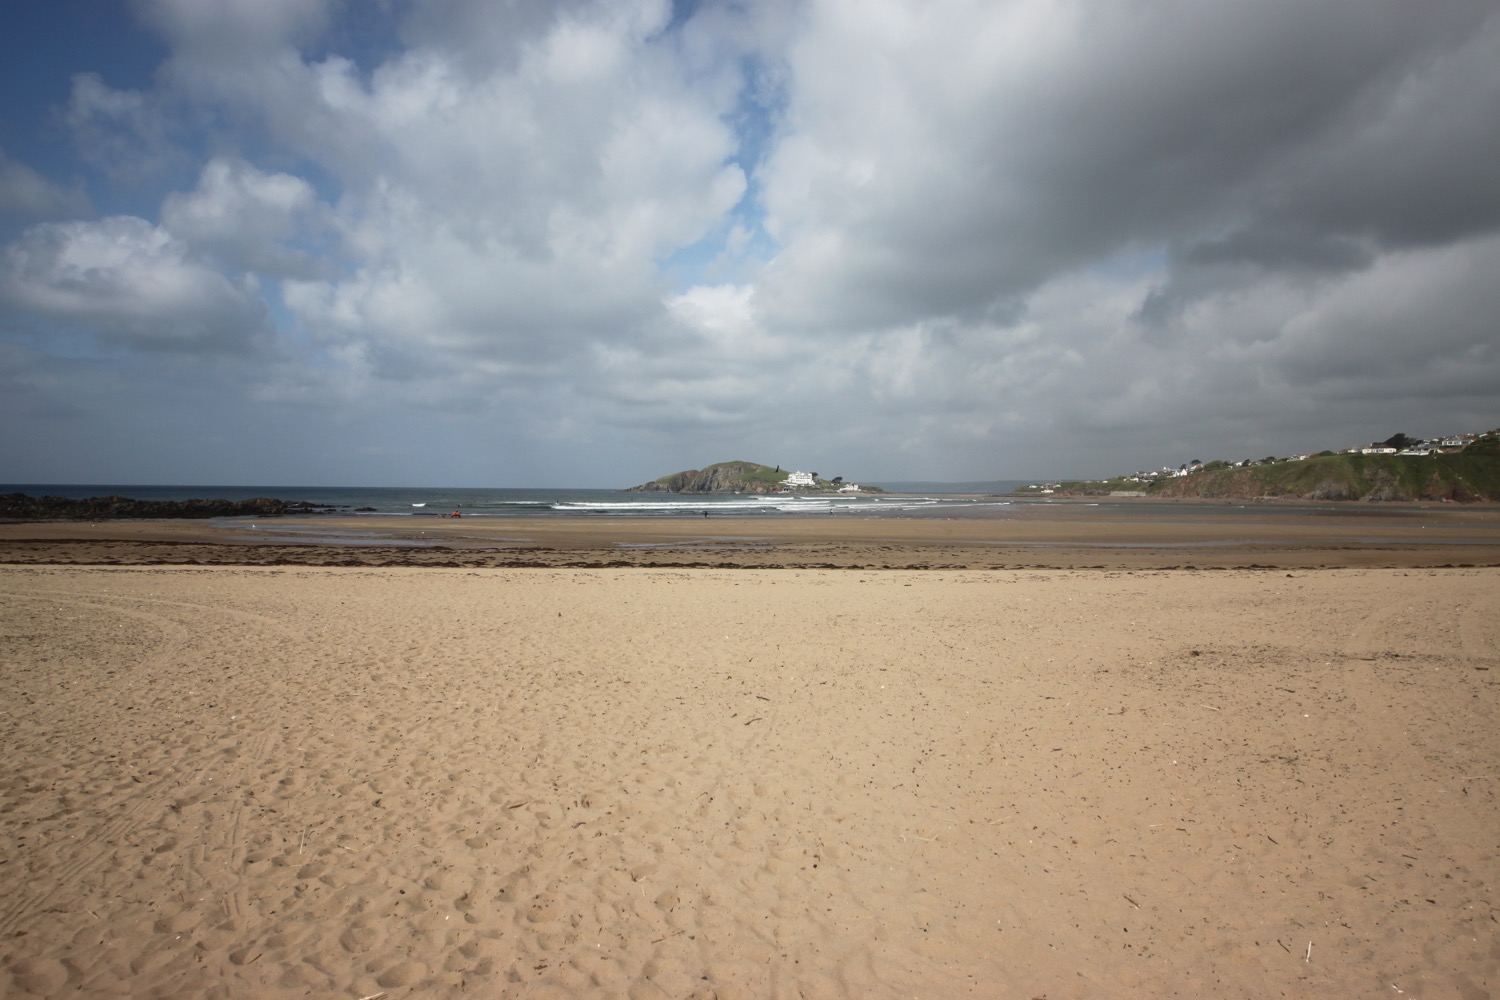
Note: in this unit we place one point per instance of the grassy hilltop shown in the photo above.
(736, 477)
(1464, 477)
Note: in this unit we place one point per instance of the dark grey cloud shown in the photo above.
(1207, 127)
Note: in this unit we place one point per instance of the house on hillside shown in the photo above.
(1381, 450)
(799, 479)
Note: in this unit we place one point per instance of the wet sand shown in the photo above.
(400, 781)
(1137, 535)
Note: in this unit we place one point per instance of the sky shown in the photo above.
(577, 244)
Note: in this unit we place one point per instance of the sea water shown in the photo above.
(412, 501)
(429, 501)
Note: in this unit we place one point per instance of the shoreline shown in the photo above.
(1077, 533)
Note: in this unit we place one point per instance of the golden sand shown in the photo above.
(328, 781)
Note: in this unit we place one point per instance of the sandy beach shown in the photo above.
(408, 780)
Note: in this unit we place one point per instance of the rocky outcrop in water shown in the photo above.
(725, 477)
(21, 507)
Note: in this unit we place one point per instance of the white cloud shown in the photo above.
(126, 134)
(131, 283)
(948, 240)
(519, 214)
(232, 30)
(247, 218)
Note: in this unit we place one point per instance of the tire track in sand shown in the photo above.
(173, 649)
(237, 899)
(103, 600)
(94, 846)
(92, 851)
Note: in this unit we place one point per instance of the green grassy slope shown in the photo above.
(1470, 476)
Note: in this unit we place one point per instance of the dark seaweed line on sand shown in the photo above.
(129, 553)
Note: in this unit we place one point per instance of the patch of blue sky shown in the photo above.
(47, 45)
(682, 12)
(740, 239)
(722, 256)
(1132, 264)
(282, 319)
(761, 104)
(50, 45)
(365, 33)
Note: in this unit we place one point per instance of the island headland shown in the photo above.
(749, 477)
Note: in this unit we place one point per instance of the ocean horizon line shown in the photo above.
(254, 490)
(426, 501)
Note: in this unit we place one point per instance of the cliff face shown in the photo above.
(726, 477)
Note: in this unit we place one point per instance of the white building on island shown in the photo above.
(799, 479)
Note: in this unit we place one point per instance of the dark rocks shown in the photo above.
(725, 477)
(704, 481)
(21, 507)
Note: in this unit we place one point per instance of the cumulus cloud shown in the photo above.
(940, 158)
(233, 30)
(520, 209)
(126, 134)
(250, 220)
(957, 239)
(130, 283)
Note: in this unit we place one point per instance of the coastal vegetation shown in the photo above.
(1463, 478)
(1464, 470)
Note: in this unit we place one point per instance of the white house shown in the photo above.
(799, 479)
(1377, 451)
